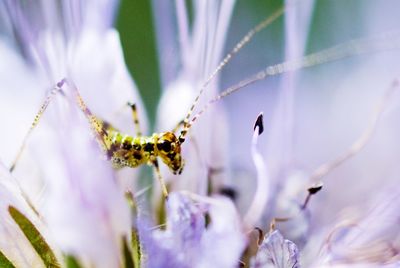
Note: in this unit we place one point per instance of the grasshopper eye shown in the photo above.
(164, 146)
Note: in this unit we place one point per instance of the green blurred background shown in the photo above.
(136, 24)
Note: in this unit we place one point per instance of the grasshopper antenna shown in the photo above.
(345, 50)
(242, 43)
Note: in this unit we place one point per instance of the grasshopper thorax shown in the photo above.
(169, 150)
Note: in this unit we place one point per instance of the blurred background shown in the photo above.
(332, 22)
(311, 116)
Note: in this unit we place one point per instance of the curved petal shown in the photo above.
(14, 244)
(276, 252)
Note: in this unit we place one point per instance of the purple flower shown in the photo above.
(199, 233)
(333, 125)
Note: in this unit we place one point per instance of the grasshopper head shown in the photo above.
(169, 150)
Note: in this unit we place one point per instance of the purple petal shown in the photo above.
(276, 252)
(224, 241)
(185, 220)
(157, 250)
(186, 242)
(180, 242)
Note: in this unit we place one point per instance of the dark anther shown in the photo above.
(149, 147)
(228, 192)
(164, 146)
(315, 188)
(259, 123)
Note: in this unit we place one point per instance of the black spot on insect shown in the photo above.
(171, 156)
(137, 147)
(149, 147)
(164, 146)
(137, 155)
(127, 146)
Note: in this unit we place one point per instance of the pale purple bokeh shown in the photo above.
(311, 117)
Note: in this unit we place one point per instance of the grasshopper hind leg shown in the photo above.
(35, 122)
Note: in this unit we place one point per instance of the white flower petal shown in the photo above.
(13, 243)
(82, 196)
